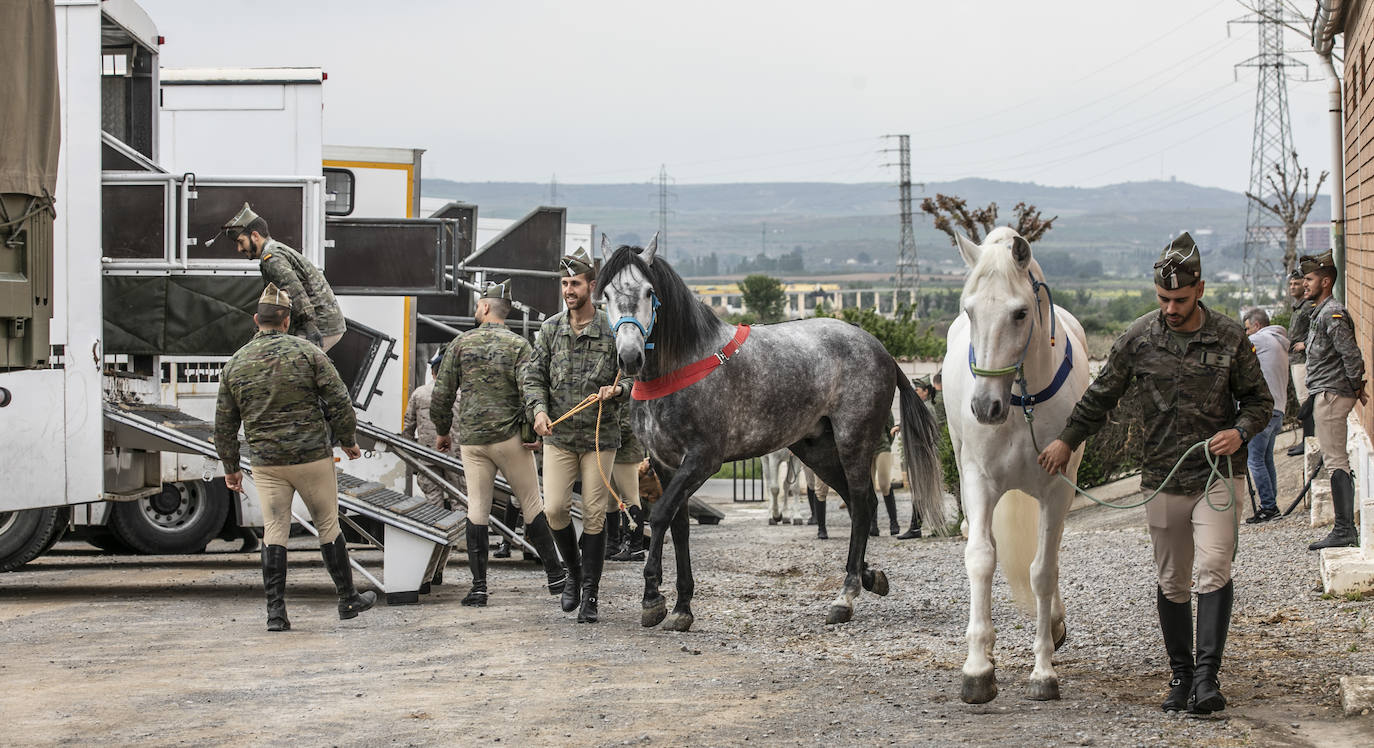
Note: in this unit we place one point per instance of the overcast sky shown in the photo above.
(1069, 92)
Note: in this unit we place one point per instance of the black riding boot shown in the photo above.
(351, 603)
(1176, 621)
(566, 540)
(274, 581)
(890, 502)
(632, 548)
(538, 535)
(914, 530)
(594, 556)
(511, 519)
(811, 503)
(478, 538)
(1213, 621)
(820, 520)
(1343, 534)
(614, 525)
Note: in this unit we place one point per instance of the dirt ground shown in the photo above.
(172, 651)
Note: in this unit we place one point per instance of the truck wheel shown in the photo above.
(24, 535)
(62, 520)
(181, 519)
(102, 538)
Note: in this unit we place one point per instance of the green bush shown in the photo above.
(903, 336)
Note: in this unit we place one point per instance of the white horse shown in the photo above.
(1009, 329)
(781, 471)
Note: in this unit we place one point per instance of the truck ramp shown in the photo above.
(410, 452)
(418, 533)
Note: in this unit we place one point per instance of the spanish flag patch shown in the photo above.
(1336, 315)
(267, 257)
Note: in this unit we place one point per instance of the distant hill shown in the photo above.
(1121, 225)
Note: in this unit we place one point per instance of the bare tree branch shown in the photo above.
(1286, 181)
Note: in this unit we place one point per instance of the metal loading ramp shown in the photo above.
(418, 534)
(411, 453)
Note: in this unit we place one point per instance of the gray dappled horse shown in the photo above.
(821, 387)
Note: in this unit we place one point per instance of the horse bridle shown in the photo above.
(1018, 368)
(628, 320)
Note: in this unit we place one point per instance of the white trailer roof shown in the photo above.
(239, 76)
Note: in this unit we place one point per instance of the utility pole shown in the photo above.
(908, 272)
(553, 190)
(1271, 141)
(663, 210)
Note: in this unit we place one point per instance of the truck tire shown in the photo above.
(102, 538)
(63, 519)
(24, 534)
(181, 519)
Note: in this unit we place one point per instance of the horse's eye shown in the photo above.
(1020, 314)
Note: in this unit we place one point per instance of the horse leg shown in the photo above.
(862, 505)
(1049, 627)
(980, 559)
(681, 483)
(821, 455)
(681, 617)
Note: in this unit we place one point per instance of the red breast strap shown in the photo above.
(652, 389)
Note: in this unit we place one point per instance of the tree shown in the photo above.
(952, 214)
(764, 296)
(1286, 206)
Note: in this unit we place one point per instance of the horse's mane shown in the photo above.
(684, 323)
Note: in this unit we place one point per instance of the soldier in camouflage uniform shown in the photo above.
(417, 426)
(1298, 324)
(487, 362)
(574, 356)
(1335, 379)
(315, 314)
(1199, 380)
(625, 478)
(289, 399)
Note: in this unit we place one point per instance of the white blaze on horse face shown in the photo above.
(628, 295)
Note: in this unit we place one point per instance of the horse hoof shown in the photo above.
(875, 581)
(838, 614)
(679, 622)
(1060, 638)
(772, 520)
(1043, 690)
(979, 689)
(798, 521)
(653, 613)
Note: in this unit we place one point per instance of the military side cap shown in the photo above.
(497, 291)
(1313, 263)
(577, 263)
(237, 224)
(274, 296)
(1180, 264)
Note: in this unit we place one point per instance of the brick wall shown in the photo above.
(1359, 182)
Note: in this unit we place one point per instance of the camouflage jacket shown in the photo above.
(1334, 362)
(314, 311)
(417, 424)
(937, 405)
(1298, 326)
(487, 363)
(1189, 394)
(630, 449)
(288, 397)
(565, 369)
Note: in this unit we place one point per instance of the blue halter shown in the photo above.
(628, 320)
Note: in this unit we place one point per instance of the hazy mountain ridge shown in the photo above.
(1119, 224)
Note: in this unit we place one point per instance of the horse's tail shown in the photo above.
(1015, 525)
(921, 451)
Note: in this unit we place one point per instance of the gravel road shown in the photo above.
(172, 650)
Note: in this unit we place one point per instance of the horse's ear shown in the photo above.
(605, 249)
(968, 250)
(1020, 251)
(648, 254)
